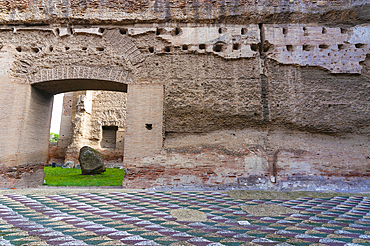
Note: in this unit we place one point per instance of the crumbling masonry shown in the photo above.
(258, 95)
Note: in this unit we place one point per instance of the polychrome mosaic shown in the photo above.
(144, 218)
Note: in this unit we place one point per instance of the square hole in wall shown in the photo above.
(218, 48)
(149, 126)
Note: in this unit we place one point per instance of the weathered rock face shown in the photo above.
(90, 161)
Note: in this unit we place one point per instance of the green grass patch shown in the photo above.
(57, 176)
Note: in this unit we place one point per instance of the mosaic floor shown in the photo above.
(144, 218)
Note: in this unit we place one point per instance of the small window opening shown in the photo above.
(70, 31)
(67, 48)
(360, 46)
(151, 49)
(236, 46)
(244, 31)
(289, 47)
(19, 49)
(217, 48)
(220, 30)
(100, 49)
(255, 47)
(167, 49)
(323, 31)
(123, 31)
(285, 31)
(202, 46)
(84, 48)
(341, 47)
(343, 30)
(323, 46)
(58, 31)
(36, 50)
(101, 30)
(185, 47)
(51, 48)
(266, 47)
(307, 47)
(149, 126)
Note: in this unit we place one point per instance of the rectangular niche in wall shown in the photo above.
(109, 137)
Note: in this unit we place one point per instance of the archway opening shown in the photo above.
(145, 108)
(88, 112)
(89, 118)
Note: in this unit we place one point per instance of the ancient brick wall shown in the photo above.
(202, 11)
(216, 94)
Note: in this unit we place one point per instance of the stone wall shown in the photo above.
(201, 11)
(277, 99)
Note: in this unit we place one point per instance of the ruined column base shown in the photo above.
(24, 176)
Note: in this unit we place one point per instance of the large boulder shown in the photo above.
(90, 161)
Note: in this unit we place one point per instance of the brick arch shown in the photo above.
(30, 74)
(121, 44)
(36, 72)
(74, 78)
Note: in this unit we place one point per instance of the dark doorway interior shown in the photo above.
(109, 137)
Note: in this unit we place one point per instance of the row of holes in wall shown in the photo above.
(51, 49)
(100, 30)
(306, 33)
(324, 46)
(159, 31)
(221, 30)
(216, 47)
(176, 31)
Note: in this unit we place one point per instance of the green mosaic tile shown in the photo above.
(197, 234)
(214, 239)
(150, 237)
(96, 242)
(82, 237)
(318, 234)
(232, 243)
(347, 240)
(21, 242)
(182, 229)
(11, 238)
(241, 231)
